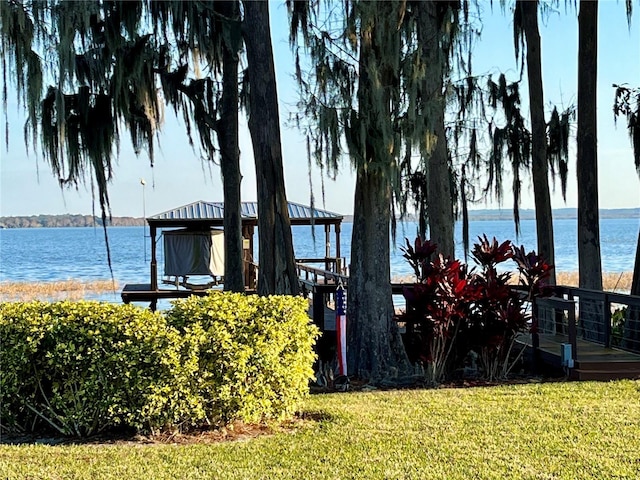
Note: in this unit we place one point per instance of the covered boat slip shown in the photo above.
(194, 246)
(600, 346)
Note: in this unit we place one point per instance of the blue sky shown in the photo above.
(179, 176)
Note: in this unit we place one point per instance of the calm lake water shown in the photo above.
(49, 254)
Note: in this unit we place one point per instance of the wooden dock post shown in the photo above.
(318, 309)
(154, 262)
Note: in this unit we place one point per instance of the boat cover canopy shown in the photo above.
(194, 252)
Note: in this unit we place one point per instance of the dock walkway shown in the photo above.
(593, 360)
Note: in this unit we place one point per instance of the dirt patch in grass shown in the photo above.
(234, 432)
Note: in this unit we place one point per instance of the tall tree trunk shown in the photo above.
(635, 281)
(375, 346)
(589, 262)
(277, 273)
(631, 333)
(227, 128)
(439, 193)
(539, 163)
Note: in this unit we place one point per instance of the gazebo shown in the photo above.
(202, 216)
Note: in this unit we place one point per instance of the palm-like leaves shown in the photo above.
(490, 253)
(419, 256)
(478, 310)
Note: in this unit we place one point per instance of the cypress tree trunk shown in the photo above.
(227, 128)
(539, 163)
(375, 346)
(589, 262)
(277, 272)
(439, 194)
(635, 281)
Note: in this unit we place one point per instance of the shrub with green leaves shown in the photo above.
(255, 353)
(82, 367)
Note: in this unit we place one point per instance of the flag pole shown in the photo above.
(341, 329)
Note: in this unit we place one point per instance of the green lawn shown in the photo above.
(537, 431)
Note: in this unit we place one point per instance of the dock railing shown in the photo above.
(332, 273)
(562, 321)
(320, 283)
(606, 318)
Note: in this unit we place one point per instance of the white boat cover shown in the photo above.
(188, 252)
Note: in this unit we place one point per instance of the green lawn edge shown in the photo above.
(564, 430)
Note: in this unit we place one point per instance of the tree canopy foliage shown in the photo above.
(113, 65)
(87, 70)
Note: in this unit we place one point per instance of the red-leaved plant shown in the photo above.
(451, 309)
(437, 307)
(499, 314)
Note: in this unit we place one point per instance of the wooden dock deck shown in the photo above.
(142, 292)
(593, 361)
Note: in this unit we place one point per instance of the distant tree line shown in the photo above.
(42, 221)
(527, 214)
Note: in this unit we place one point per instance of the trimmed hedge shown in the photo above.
(83, 367)
(255, 353)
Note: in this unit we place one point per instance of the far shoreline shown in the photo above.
(79, 220)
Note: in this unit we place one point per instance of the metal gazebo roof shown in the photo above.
(212, 213)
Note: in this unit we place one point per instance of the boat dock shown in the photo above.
(575, 329)
(598, 350)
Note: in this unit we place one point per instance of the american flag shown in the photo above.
(341, 329)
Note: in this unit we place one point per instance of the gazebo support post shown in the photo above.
(339, 265)
(327, 242)
(247, 248)
(154, 263)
